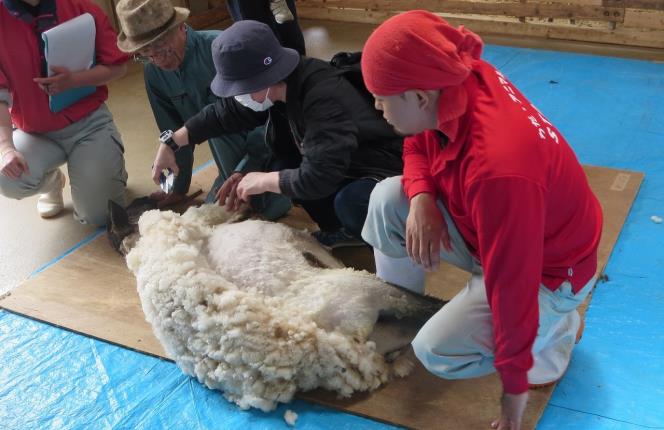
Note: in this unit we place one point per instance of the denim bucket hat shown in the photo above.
(248, 58)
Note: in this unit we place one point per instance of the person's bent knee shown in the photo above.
(94, 211)
(384, 203)
(17, 189)
(271, 206)
(385, 218)
(347, 211)
(443, 357)
(343, 201)
(386, 193)
(9, 189)
(95, 216)
(434, 362)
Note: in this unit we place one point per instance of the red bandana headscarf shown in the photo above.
(420, 50)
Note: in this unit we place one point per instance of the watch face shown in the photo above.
(165, 135)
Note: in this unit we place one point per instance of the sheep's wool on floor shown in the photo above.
(290, 417)
(259, 310)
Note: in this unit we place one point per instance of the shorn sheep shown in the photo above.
(260, 310)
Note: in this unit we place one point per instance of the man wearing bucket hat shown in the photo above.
(178, 69)
(82, 135)
(330, 145)
(488, 176)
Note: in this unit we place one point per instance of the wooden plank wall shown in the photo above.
(629, 23)
(204, 13)
(208, 13)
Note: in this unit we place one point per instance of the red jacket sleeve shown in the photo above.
(416, 170)
(4, 85)
(509, 215)
(5, 95)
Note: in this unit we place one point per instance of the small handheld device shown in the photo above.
(166, 180)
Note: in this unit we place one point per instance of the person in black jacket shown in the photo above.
(330, 145)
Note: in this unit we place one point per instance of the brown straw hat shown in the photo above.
(144, 21)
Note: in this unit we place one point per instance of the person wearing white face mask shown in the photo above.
(330, 145)
(178, 69)
(248, 102)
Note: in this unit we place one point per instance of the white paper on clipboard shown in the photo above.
(71, 44)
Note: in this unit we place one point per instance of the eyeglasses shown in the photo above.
(156, 50)
(145, 59)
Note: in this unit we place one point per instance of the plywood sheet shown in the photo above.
(92, 292)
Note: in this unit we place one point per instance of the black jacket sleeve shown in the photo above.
(329, 141)
(225, 116)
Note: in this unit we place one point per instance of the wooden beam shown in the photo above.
(578, 2)
(635, 4)
(621, 36)
(639, 18)
(208, 18)
(516, 9)
(344, 15)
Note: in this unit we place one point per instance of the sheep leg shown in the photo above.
(419, 305)
(314, 261)
(392, 332)
(118, 226)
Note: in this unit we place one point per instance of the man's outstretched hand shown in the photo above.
(227, 194)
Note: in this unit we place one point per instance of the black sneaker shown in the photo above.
(332, 239)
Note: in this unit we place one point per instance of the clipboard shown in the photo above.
(71, 45)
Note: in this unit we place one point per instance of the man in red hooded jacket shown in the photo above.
(491, 179)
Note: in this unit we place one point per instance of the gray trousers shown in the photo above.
(457, 342)
(94, 154)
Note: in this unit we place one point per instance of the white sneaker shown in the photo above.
(281, 11)
(50, 203)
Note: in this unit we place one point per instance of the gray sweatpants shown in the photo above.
(457, 342)
(93, 151)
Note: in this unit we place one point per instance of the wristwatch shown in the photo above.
(166, 137)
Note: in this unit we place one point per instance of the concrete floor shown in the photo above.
(27, 242)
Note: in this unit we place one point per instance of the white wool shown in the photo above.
(290, 417)
(241, 307)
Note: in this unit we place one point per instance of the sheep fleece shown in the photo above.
(240, 307)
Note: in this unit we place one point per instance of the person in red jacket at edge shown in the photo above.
(490, 186)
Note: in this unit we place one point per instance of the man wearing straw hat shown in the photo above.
(491, 186)
(178, 70)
